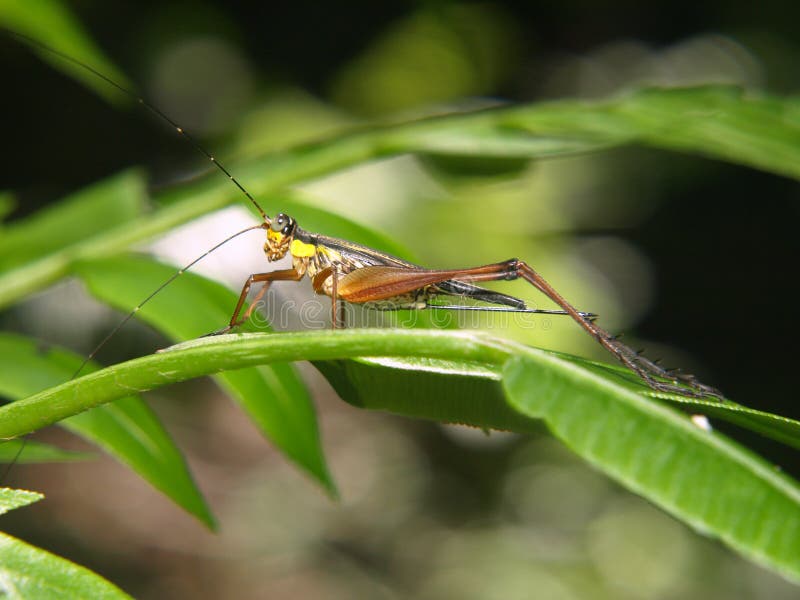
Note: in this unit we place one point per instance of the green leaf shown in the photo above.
(29, 572)
(699, 476)
(8, 203)
(722, 122)
(30, 451)
(776, 427)
(489, 138)
(128, 430)
(236, 351)
(11, 499)
(92, 210)
(38, 250)
(441, 390)
(323, 221)
(273, 396)
(51, 22)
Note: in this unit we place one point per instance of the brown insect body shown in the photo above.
(359, 274)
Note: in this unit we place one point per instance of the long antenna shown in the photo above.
(7, 470)
(196, 145)
(158, 113)
(172, 278)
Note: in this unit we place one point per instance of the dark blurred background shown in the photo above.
(695, 257)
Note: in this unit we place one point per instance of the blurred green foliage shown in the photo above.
(427, 512)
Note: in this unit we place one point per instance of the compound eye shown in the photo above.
(279, 223)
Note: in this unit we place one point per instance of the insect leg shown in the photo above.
(266, 279)
(254, 303)
(318, 282)
(644, 367)
(382, 282)
(336, 317)
(651, 373)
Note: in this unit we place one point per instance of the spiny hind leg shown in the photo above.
(654, 375)
(651, 373)
(383, 282)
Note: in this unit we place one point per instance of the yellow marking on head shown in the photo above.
(301, 249)
(274, 236)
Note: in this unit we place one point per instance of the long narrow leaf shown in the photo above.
(51, 22)
(776, 427)
(41, 248)
(127, 429)
(30, 572)
(30, 451)
(11, 499)
(699, 476)
(94, 209)
(702, 477)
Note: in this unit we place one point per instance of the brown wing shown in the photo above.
(369, 284)
(366, 256)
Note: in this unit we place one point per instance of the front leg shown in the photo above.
(266, 279)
